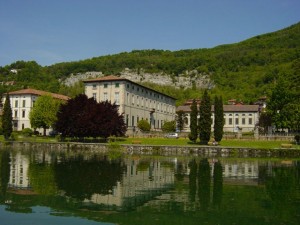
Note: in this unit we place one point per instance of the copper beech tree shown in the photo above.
(83, 117)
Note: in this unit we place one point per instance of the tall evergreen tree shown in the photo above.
(219, 119)
(193, 123)
(205, 119)
(180, 120)
(7, 118)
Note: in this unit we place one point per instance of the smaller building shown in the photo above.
(22, 101)
(237, 117)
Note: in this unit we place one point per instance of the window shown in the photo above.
(132, 121)
(105, 96)
(23, 114)
(105, 85)
(117, 98)
(243, 121)
(128, 102)
(95, 96)
(137, 100)
(236, 120)
(230, 121)
(94, 87)
(23, 126)
(16, 113)
(117, 85)
(132, 100)
(250, 121)
(127, 119)
(24, 103)
(16, 103)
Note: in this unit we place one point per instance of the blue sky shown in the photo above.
(52, 31)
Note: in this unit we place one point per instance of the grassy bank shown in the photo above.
(178, 142)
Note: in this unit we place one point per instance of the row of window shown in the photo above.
(16, 113)
(135, 120)
(147, 103)
(237, 121)
(16, 103)
(237, 114)
(133, 87)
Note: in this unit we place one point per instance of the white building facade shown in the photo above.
(136, 102)
(22, 101)
(236, 117)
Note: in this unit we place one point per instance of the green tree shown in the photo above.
(43, 113)
(265, 121)
(7, 118)
(205, 119)
(169, 126)
(219, 119)
(194, 122)
(144, 125)
(180, 120)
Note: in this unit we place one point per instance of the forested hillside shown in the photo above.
(245, 70)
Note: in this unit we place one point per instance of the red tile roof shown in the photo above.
(226, 108)
(106, 78)
(38, 92)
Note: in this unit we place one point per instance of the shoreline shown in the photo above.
(160, 150)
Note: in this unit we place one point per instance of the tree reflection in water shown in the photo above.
(81, 178)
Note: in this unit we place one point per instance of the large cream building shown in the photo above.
(135, 101)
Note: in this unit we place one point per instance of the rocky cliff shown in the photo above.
(188, 80)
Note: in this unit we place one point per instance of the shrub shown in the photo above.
(144, 125)
(27, 132)
(169, 126)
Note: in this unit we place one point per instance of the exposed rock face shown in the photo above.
(187, 80)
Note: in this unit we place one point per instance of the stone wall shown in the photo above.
(138, 149)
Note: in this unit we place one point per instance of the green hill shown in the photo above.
(245, 70)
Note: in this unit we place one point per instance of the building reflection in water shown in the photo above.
(149, 181)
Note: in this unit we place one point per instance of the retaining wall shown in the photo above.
(162, 150)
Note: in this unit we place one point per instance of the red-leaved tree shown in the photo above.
(83, 117)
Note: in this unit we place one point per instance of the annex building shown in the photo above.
(22, 101)
(237, 117)
(136, 102)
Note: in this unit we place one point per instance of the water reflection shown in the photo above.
(222, 191)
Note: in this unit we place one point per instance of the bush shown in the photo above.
(27, 132)
(144, 125)
(169, 126)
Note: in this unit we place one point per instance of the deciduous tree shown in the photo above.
(83, 117)
(43, 113)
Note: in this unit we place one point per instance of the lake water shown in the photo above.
(44, 187)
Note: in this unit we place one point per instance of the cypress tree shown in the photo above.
(7, 118)
(205, 119)
(219, 119)
(193, 125)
